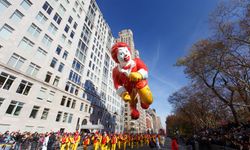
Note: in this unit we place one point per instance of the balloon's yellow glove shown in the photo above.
(126, 97)
(135, 76)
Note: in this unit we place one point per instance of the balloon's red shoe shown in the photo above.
(135, 114)
(144, 106)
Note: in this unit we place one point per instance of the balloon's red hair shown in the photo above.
(114, 50)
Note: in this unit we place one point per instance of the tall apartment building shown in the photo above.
(134, 126)
(55, 67)
(153, 121)
(126, 36)
(149, 122)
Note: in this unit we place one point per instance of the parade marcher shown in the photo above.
(86, 142)
(71, 142)
(64, 141)
(137, 141)
(124, 140)
(147, 139)
(104, 141)
(114, 142)
(96, 140)
(141, 140)
(132, 141)
(76, 140)
(129, 140)
(119, 141)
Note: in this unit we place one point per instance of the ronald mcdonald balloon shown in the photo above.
(130, 79)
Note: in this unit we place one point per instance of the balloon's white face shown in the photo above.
(123, 55)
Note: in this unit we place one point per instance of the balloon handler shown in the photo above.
(130, 78)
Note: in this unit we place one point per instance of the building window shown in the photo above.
(4, 4)
(34, 111)
(86, 108)
(34, 30)
(72, 34)
(41, 18)
(76, 78)
(16, 61)
(24, 87)
(70, 118)
(60, 68)
(53, 62)
(51, 96)
(66, 29)
(63, 38)
(26, 44)
(70, 19)
(88, 73)
(63, 100)
(58, 116)
(56, 81)
(16, 16)
(47, 8)
(81, 107)
(65, 116)
(48, 77)
(40, 54)
(33, 69)
(58, 50)
(69, 43)
(65, 55)
(67, 86)
(42, 94)
(61, 10)
(75, 25)
(1, 101)
(45, 113)
(68, 102)
(26, 4)
(84, 121)
(77, 66)
(66, 2)
(47, 40)
(76, 4)
(73, 104)
(6, 80)
(6, 31)
(14, 108)
(57, 18)
(52, 29)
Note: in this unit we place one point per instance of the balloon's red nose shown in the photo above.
(126, 58)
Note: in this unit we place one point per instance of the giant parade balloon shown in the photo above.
(130, 79)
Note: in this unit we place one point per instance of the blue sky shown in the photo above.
(163, 31)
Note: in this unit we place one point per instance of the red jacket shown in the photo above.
(121, 79)
(174, 144)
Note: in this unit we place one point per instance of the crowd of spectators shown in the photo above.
(229, 136)
(27, 140)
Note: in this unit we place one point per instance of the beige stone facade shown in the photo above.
(56, 68)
